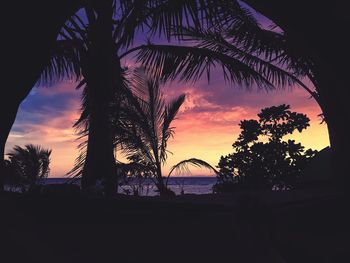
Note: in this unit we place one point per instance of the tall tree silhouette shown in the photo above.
(87, 50)
(101, 69)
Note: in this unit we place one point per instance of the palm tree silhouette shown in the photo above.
(30, 164)
(305, 38)
(148, 127)
(96, 48)
(87, 50)
(145, 128)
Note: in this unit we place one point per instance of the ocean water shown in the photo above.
(186, 185)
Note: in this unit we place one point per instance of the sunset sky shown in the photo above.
(206, 126)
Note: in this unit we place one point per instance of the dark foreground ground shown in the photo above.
(303, 226)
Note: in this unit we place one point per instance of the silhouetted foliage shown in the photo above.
(27, 167)
(147, 126)
(144, 128)
(261, 158)
(135, 177)
(311, 60)
(12, 180)
(91, 47)
(217, 33)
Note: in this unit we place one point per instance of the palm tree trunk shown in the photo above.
(160, 182)
(162, 187)
(100, 161)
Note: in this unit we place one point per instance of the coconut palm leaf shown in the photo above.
(273, 46)
(170, 113)
(222, 41)
(183, 166)
(30, 163)
(133, 19)
(168, 15)
(131, 141)
(275, 72)
(64, 63)
(187, 63)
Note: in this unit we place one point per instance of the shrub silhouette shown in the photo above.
(261, 158)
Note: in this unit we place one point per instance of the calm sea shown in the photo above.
(186, 185)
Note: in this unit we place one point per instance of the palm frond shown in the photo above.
(134, 143)
(169, 115)
(64, 63)
(149, 106)
(183, 166)
(168, 15)
(216, 41)
(173, 14)
(133, 18)
(189, 63)
(273, 46)
(77, 170)
(31, 163)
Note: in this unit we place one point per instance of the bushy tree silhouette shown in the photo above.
(260, 164)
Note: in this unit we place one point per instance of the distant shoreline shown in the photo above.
(172, 177)
(198, 185)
